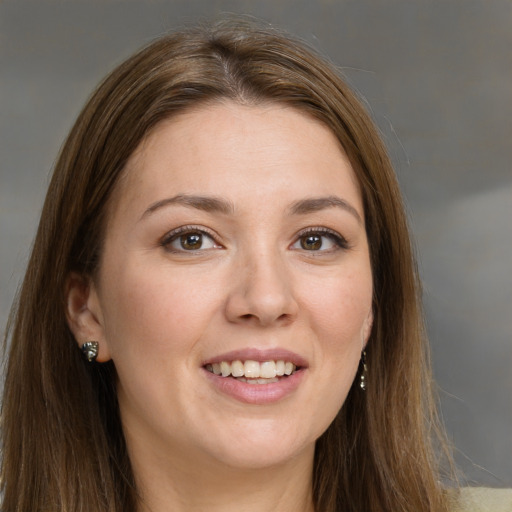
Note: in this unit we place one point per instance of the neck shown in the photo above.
(192, 486)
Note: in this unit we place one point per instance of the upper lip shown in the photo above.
(260, 355)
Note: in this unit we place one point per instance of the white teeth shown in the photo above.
(268, 370)
(253, 372)
(225, 369)
(259, 381)
(237, 369)
(252, 369)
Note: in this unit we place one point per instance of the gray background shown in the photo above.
(438, 79)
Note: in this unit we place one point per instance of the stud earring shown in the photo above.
(364, 373)
(90, 350)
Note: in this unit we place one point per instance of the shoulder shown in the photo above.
(483, 499)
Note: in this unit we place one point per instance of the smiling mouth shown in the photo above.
(253, 372)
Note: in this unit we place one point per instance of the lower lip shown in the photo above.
(257, 394)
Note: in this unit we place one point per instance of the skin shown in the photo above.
(160, 311)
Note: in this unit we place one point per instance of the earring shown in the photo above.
(364, 373)
(90, 350)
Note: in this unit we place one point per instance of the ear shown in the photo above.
(367, 328)
(83, 313)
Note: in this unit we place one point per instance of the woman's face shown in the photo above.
(236, 243)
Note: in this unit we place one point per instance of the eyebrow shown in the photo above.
(207, 204)
(315, 204)
(219, 205)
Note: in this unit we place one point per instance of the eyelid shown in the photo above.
(190, 228)
(336, 237)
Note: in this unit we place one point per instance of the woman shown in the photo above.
(221, 309)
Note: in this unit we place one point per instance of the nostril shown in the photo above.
(260, 305)
(283, 318)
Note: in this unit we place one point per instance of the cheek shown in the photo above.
(337, 316)
(341, 308)
(339, 312)
(149, 313)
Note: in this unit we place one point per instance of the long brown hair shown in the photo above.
(62, 442)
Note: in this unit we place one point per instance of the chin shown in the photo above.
(261, 446)
(258, 459)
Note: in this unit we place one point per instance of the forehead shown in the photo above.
(225, 147)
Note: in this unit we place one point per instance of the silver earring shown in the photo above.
(90, 350)
(364, 373)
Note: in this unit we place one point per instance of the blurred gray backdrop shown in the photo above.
(437, 76)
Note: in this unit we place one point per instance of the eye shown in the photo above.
(188, 239)
(320, 240)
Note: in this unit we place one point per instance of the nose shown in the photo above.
(261, 291)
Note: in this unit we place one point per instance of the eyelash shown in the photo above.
(335, 237)
(340, 241)
(186, 230)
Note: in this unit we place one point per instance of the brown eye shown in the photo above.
(188, 240)
(321, 240)
(191, 241)
(311, 242)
